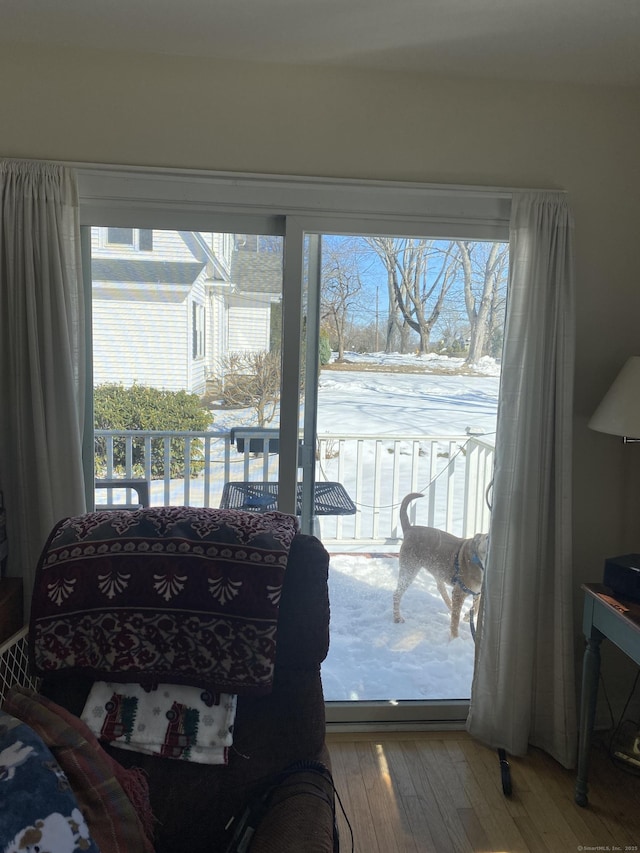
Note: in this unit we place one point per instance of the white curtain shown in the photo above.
(523, 686)
(42, 357)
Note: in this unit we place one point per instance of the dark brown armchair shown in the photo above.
(275, 793)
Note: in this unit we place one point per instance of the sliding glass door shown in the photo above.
(327, 365)
(407, 361)
(187, 348)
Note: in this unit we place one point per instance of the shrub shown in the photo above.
(140, 407)
(324, 348)
(252, 380)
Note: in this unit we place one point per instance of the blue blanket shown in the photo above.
(39, 810)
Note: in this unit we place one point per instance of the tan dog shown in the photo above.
(450, 559)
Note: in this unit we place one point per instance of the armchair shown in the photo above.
(275, 792)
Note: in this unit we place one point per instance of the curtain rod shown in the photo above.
(182, 172)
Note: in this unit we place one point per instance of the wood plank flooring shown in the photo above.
(441, 792)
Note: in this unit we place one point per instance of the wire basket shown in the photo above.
(625, 746)
(14, 664)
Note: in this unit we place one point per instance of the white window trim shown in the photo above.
(221, 201)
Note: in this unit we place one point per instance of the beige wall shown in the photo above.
(155, 110)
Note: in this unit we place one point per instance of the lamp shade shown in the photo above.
(619, 411)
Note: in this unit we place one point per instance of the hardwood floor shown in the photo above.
(441, 792)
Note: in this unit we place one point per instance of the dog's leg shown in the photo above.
(472, 611)
(458, 596)
(397, 596)
(476, 610)
(442, 589)
(406, 575)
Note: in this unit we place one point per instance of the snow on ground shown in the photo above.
(371, 657)
(392, 403)
(430, 361)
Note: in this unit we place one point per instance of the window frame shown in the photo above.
(137, 243)
(292, 207)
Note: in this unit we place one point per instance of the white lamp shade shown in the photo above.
(619, 411)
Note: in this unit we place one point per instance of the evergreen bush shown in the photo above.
(140, 407)
(324, 347)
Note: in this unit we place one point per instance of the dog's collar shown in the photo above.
(456, 579)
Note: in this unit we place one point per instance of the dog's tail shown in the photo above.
(404, 518)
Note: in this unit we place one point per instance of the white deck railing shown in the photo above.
(453, 472)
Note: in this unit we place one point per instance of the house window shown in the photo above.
(197, 327)
(120, 236)
(134, 238)
(145, 240)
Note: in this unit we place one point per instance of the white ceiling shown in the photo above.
(590, 41)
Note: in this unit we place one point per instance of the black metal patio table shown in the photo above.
(328, 498)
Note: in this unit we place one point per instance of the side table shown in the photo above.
(617, 619)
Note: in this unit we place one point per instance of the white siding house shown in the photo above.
(257, 286)
(249, 323)
(169, 305)
(141, 336)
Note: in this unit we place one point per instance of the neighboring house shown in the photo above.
(254, 302)
(169, 305)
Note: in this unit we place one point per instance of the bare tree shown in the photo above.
(455, 288)
(341, 288)
(484, 268)
(252, 380)
(420, 274)
(453, 330)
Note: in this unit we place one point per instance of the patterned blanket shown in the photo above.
(173, 721)
(113, 801)
(38, 810)
(166, 594)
